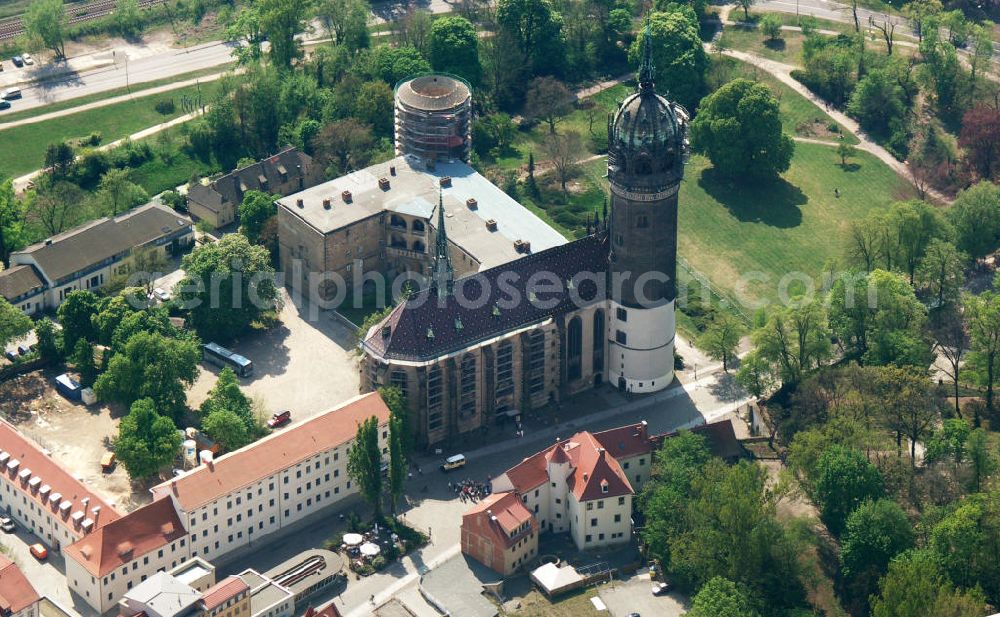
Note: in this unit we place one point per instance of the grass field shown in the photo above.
(22, 148)
(136, 89)
(793, 225)
(577, 604)
(788, 48)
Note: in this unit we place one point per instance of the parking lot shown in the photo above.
(634, 595)
(299, 364)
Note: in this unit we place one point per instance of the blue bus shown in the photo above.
(222, 357)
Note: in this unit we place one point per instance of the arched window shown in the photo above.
(536, 361)
(504, 375)
(599, 336)
(398, 380)
(574, 348)
(397, 221)
(417, 226)
(418, 246)
(435, 400)
(396, 241)
(467, 404)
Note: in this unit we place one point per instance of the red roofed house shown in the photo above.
(17, 597)
(500, 533)
(584, 485)
(228, 598)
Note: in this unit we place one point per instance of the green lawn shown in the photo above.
(22, 148)
(730, 232)
(800, 116)
(171, 165)
(788, 48)
(107, 94)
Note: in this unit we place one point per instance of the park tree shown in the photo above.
(43, 22)
(981, 51)
(364, 464)
(375, 107)
(918, 11)
(12, 236)
(739, 128)
(414, 29)
(915, 586)
(75, 316)
(914, 224)
(494, 134)
(146, 441)
(721, 597)
(874, 533)
(981, 457)
(454, 48)
(942, 271)
(770, 24)
(679, 58)
(392, 64)
(344, 146)
(226, 395)
(983, 316)
(13, 323)
(911, 405)
(346, 21)
(280, 21)
(83, 360)
(228, 286)
(951, 343)
(245, 30)
(845, 151)
(151, 366)
(59, 157)
(948, 443)
(980, 140)
(844, 480)
(975, 215)
(563, 151)
(722, 338)
(878, 103)
(256, 210)
(112, 310)
(116, 192)
(227, 429)
(794, 340)
(942, 73)
(548, 99)
(154, 320)
(756, 375)
(396, 402)
(55, 206)
(535, 28)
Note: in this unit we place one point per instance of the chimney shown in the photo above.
(299, 203)
(445, 181)
(326, 203)
(383, 183)
(392, 170)
(347, 197)
(472, 203)
(84, 502)
(173, 486)
(207, 459)
(97, 513)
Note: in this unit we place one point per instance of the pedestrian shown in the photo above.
(836, 193)
(372, 599)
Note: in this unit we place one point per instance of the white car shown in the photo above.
(28, 59)
(161, 294)
(7, 525)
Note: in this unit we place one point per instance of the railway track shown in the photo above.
(75, 13)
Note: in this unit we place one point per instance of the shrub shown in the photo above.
(165, 107)
(94, 139)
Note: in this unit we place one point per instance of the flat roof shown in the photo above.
(267, 595)
(414, 191)
(306, 569)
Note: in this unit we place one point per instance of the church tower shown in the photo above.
(647, 146)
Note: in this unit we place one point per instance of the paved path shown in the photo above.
(783, 73)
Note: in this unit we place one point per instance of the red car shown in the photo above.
(280, 418)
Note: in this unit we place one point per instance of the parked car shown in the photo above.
(660, 588)
(279, 418)
(453, 462)
(4, 104)
(18, 61)
(7, 524)
(39, 552)
(161, 294)
(10, 93)
(108, 462)
(28, 59)
(10, 355)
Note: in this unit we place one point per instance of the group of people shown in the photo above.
(470, 490)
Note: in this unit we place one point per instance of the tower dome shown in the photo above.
(647, 136)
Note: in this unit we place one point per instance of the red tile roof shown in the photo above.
(273, 453)
(151, 527)
(626, 441)
(591, 462)
(16, 593)
(222, 591)
(53, 480)
(499, 515)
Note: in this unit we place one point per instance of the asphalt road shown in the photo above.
(119, 74)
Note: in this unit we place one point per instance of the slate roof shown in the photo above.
(19, 280)
(90, 244)
(139, 532)
(427, 326)
(229, 189)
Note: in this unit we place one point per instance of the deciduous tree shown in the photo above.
(344, 146)
(563, 151)
(117, 193)
(13, 323)
(83, 360)
(845, 479)
(916, 587)
(256, 209)
(54, 206)
(12, 235)
(721, 597)
(227, 429)
(722, 338)
(794, 340)
(75, 315)
(980, 139)
(942, 271)
(679, 58)
(976, 217)
(43, 21)
(770, 24)
(280, 21)
(739, 128)
(346, 21)
(535, 28)
(226, 395)
(364, 464)
(398, 464)
(454, 48)
(547, 99)
(146, 441)
(983, 312)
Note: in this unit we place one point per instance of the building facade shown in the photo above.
(549, 323)
(91, 256)
(500, 533)
(225, 504)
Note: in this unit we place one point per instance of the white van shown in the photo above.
(453, 462)
(10, 93)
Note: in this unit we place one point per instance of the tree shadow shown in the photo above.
(775, 44)
(772, 202)
(850, 167)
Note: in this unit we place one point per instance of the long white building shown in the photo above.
(225, 504)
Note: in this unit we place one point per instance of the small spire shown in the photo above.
(646, 67)
(444, 273)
